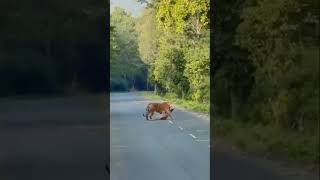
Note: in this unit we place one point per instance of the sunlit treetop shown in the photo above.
(183, 16)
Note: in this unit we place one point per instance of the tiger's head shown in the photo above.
(171, 107)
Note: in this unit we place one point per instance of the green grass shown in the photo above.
(269, 141)
(187, 104)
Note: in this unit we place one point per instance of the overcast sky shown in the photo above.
(129, 5)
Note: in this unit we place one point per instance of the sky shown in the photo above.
(129, 5)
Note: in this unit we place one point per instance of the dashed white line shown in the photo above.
(180, 128)
(193, 136)
(170, 122)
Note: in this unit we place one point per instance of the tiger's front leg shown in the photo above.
(165, 116)
(168, 113)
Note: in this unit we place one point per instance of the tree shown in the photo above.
(183, 25)
(190, 17)
(126, 65)
(232, 73)
(147, 36)
(198, 71)
(170, 65)
(282, 61)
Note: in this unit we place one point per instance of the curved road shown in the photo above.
(159, 149)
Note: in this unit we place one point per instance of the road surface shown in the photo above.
(54, 139)
(159, 149)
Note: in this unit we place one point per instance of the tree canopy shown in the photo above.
(49, 46)
(127, 70)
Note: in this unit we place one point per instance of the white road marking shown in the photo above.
(202, 140)
(180, 128)
(170, 122)
(194, 137)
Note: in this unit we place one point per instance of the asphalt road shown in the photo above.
(54, 139)
(158, 149)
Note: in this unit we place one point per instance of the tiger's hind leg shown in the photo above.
(151, 115)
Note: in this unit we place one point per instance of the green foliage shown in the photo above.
(169, 67)
(173, 40)
(148, 35)
(266, 77)
(183, 16)
(282, 80)
(198, 71)
(126, 65)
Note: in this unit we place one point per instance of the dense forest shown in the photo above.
(264, 59)
(127, 71)
(267, 62)
(167, 48)
(266, 75)
(52, 46)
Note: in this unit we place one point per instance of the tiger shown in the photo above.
(164, 107)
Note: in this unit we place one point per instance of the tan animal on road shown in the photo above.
(164, 107)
